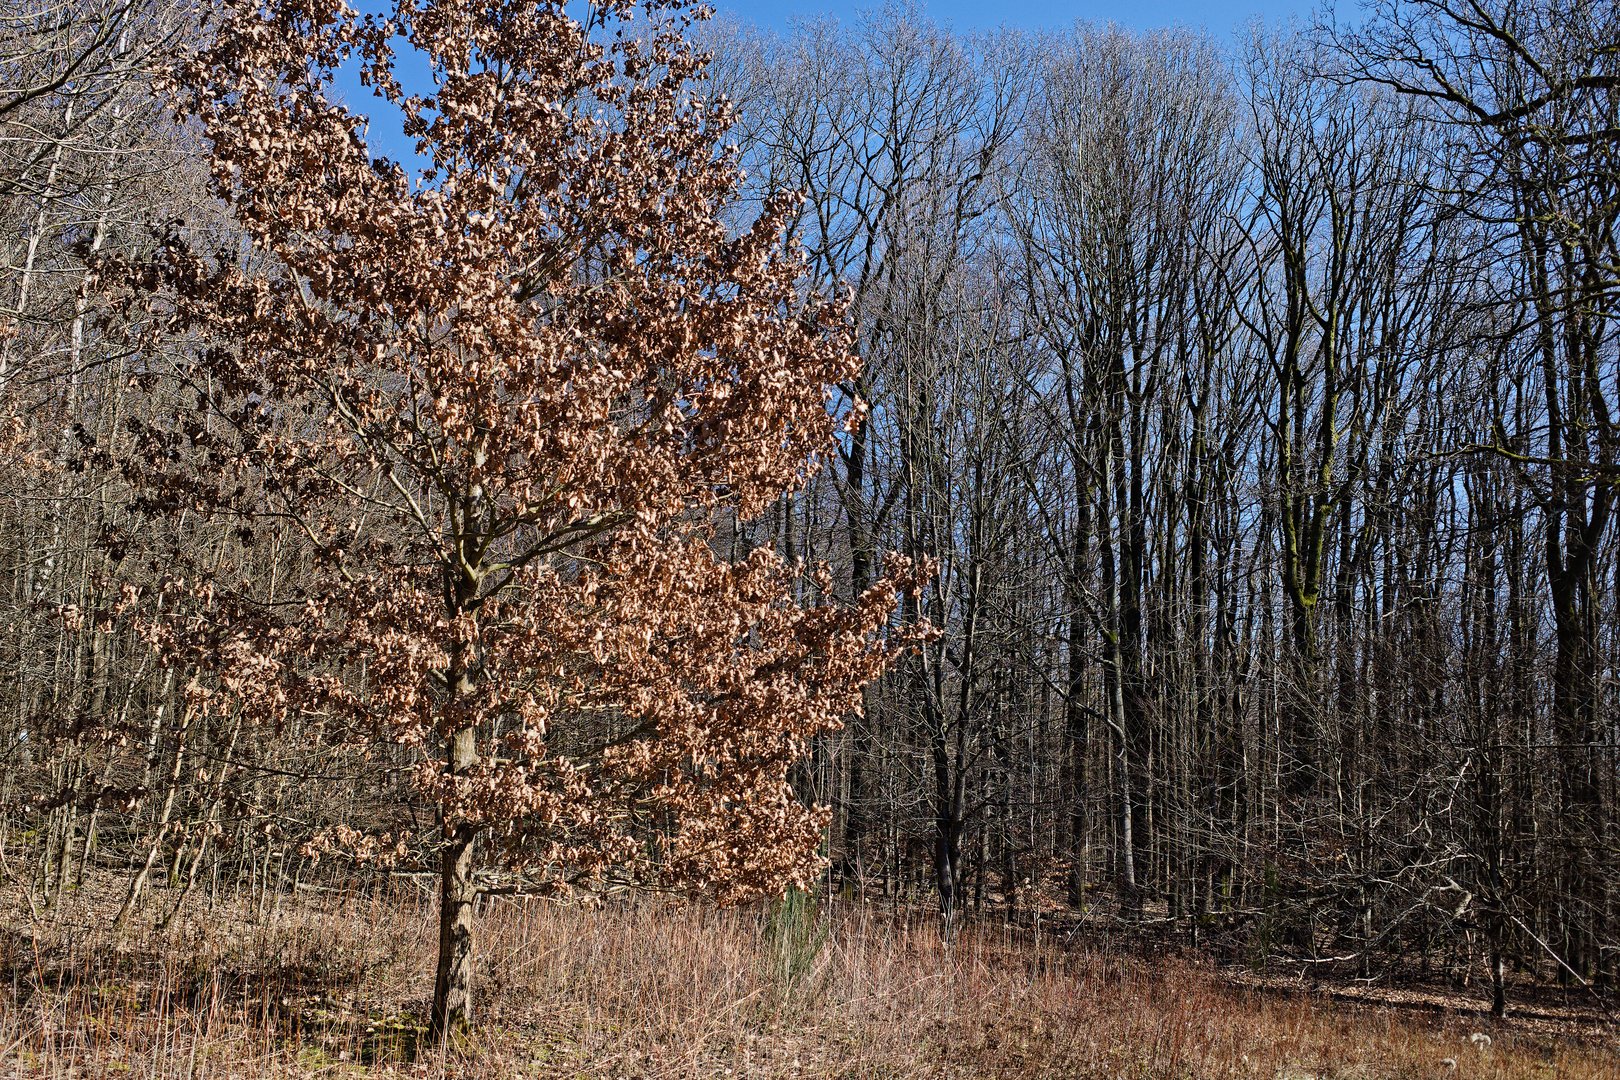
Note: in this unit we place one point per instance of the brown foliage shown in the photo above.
(494, 411)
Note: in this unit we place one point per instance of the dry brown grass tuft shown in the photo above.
(333, 985)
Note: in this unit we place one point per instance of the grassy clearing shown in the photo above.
(334, 986)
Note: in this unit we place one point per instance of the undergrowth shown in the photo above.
(334, 985)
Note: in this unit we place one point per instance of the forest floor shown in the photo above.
(315, 983)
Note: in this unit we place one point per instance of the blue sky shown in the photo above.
(1223, 18)
(1220, 17)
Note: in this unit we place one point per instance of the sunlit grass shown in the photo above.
(328, 984)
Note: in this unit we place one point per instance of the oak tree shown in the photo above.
(498, 408)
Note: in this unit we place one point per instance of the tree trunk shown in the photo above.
(452, 986)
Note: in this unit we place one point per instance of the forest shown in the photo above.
(1003, 515)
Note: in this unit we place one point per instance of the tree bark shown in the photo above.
(452, 985)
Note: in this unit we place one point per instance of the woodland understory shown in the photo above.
(326, 981)
(1192, 649)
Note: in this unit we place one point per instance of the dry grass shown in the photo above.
(334, 986)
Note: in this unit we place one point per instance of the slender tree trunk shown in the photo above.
(161, 833)
(452, 986)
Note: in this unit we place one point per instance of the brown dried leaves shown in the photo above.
(492, 412)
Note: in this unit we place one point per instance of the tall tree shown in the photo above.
(496, 410)
(1531, 91)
